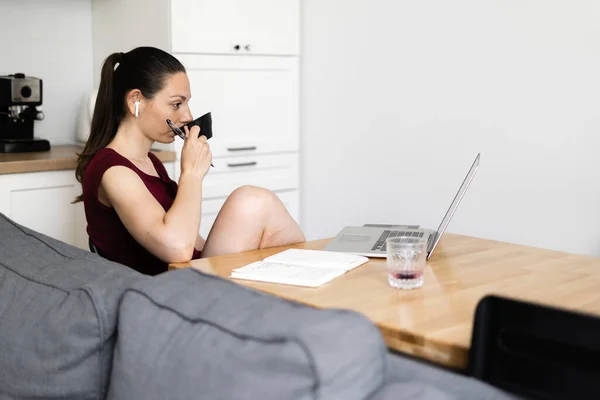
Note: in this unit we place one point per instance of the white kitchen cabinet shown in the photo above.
(42, 201)
(253, 102)
(244, 27)
(235, 26)
(274, 172)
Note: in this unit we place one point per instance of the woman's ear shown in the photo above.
(135, 102)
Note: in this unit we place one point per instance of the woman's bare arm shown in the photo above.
(170, 236)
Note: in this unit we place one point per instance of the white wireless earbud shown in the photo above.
(137, 108)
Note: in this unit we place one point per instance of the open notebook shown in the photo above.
(300, 267)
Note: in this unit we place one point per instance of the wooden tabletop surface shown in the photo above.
(435, 321)
(58, 158)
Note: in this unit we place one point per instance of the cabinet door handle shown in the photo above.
(244, 164)
(241, 148)
(248, 47)
(236, 47)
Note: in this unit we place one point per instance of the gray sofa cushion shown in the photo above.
(408, 378)
(209, 338)
(411, 391)
(58, 312)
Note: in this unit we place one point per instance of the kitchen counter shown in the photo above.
(58, 158)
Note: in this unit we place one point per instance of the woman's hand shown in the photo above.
(195, 155)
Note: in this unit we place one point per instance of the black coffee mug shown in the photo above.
(205, 124)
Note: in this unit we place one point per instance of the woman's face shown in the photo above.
(169, 103)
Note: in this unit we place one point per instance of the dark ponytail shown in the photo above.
(143, 68)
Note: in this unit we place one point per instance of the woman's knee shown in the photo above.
(252, 200)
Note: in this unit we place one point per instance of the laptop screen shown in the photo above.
(454, 205)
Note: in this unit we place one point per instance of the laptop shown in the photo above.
(369, 240)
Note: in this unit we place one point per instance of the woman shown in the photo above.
(136, 214)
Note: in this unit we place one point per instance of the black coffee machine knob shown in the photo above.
(25, 91)
(20, 75)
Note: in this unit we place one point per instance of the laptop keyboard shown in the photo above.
(380, 243)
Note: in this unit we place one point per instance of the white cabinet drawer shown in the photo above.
(211, 208)
(273, 172)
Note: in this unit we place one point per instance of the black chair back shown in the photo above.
(536, 351)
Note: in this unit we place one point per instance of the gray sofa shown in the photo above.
(76, 326)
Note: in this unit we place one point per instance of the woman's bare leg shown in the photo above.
(251, 218)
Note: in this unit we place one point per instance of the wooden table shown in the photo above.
(435, 321)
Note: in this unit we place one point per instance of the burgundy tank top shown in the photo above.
(104, 227)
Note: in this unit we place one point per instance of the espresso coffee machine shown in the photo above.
(20, 96)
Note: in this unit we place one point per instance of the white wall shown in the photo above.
(51, 40)
(114, 32)
(399, 96)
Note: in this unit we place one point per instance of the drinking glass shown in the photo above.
(406, 259)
